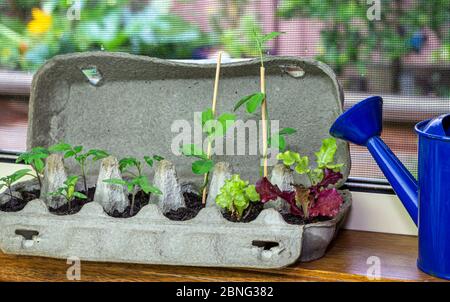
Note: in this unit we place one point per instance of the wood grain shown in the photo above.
(345, 261)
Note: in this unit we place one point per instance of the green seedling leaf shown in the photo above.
(277, 141)
(217, 128)
(335, 167)
(39, 165)
(207, 115)
(148, 160)
(97, 154)
(193, 151)
(58, 192)
(302, 166)
(325, 156)
(201, 167)
(154, 190)
(23, 158)
(34, 158)
(19, 174)
(227, 120)
(251, 193)
(79, 195)
(40, 150)
(144, 184)
(258, 95)
(316, 175)
(127, 162)
(60, 147)
(255, 102)
(71, 180)
(116, 181)
(68, 190)
(69, 154)
(213, 128)
(158, 158)
(270, 36)
(236, 195)
(10, 179)
(289, 158)
(29, 157)
(287, 131)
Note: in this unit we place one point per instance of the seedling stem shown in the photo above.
(214, 103)
(264, 116)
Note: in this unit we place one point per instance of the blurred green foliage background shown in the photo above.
(351, 37)
(33, 31)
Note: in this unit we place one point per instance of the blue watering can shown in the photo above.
(427, 200)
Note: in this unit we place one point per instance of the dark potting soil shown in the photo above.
(193, 206)
(250, 213)
(17, 204)
(140, 201)
(293, 219)
(75, 205)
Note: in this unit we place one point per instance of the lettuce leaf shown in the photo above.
(327, 204)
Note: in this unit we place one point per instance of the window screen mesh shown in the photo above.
(397, 49)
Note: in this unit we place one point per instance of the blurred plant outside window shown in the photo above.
(396, 48)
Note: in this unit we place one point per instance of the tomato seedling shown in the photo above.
(137, 179)
(68, 191)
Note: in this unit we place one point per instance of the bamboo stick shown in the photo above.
(214, 103)
(264, 118)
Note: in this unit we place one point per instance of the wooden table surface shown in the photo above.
(345, 261)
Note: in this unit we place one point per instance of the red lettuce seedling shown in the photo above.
(268, 192)
(318, 199)
(326, 204)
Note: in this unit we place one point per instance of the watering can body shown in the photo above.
(434, 203)
(427, 199)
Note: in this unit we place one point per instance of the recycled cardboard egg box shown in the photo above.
(128, 106)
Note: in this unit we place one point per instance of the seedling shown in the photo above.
(68, 191)
(35, 158)
(9, 180)
(236, 196)
(80, 158)
(137, 180)
(324, 161)
(259, 100)
(214, 128)
(317, 199)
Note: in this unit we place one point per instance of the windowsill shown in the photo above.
(382, 213)
(346, 260)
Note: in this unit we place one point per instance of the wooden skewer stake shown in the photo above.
(264, 118)
(214, 103)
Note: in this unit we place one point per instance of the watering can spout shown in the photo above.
(362, 125)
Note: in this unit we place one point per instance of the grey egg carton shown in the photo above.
(122, 109)
(151, 238)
